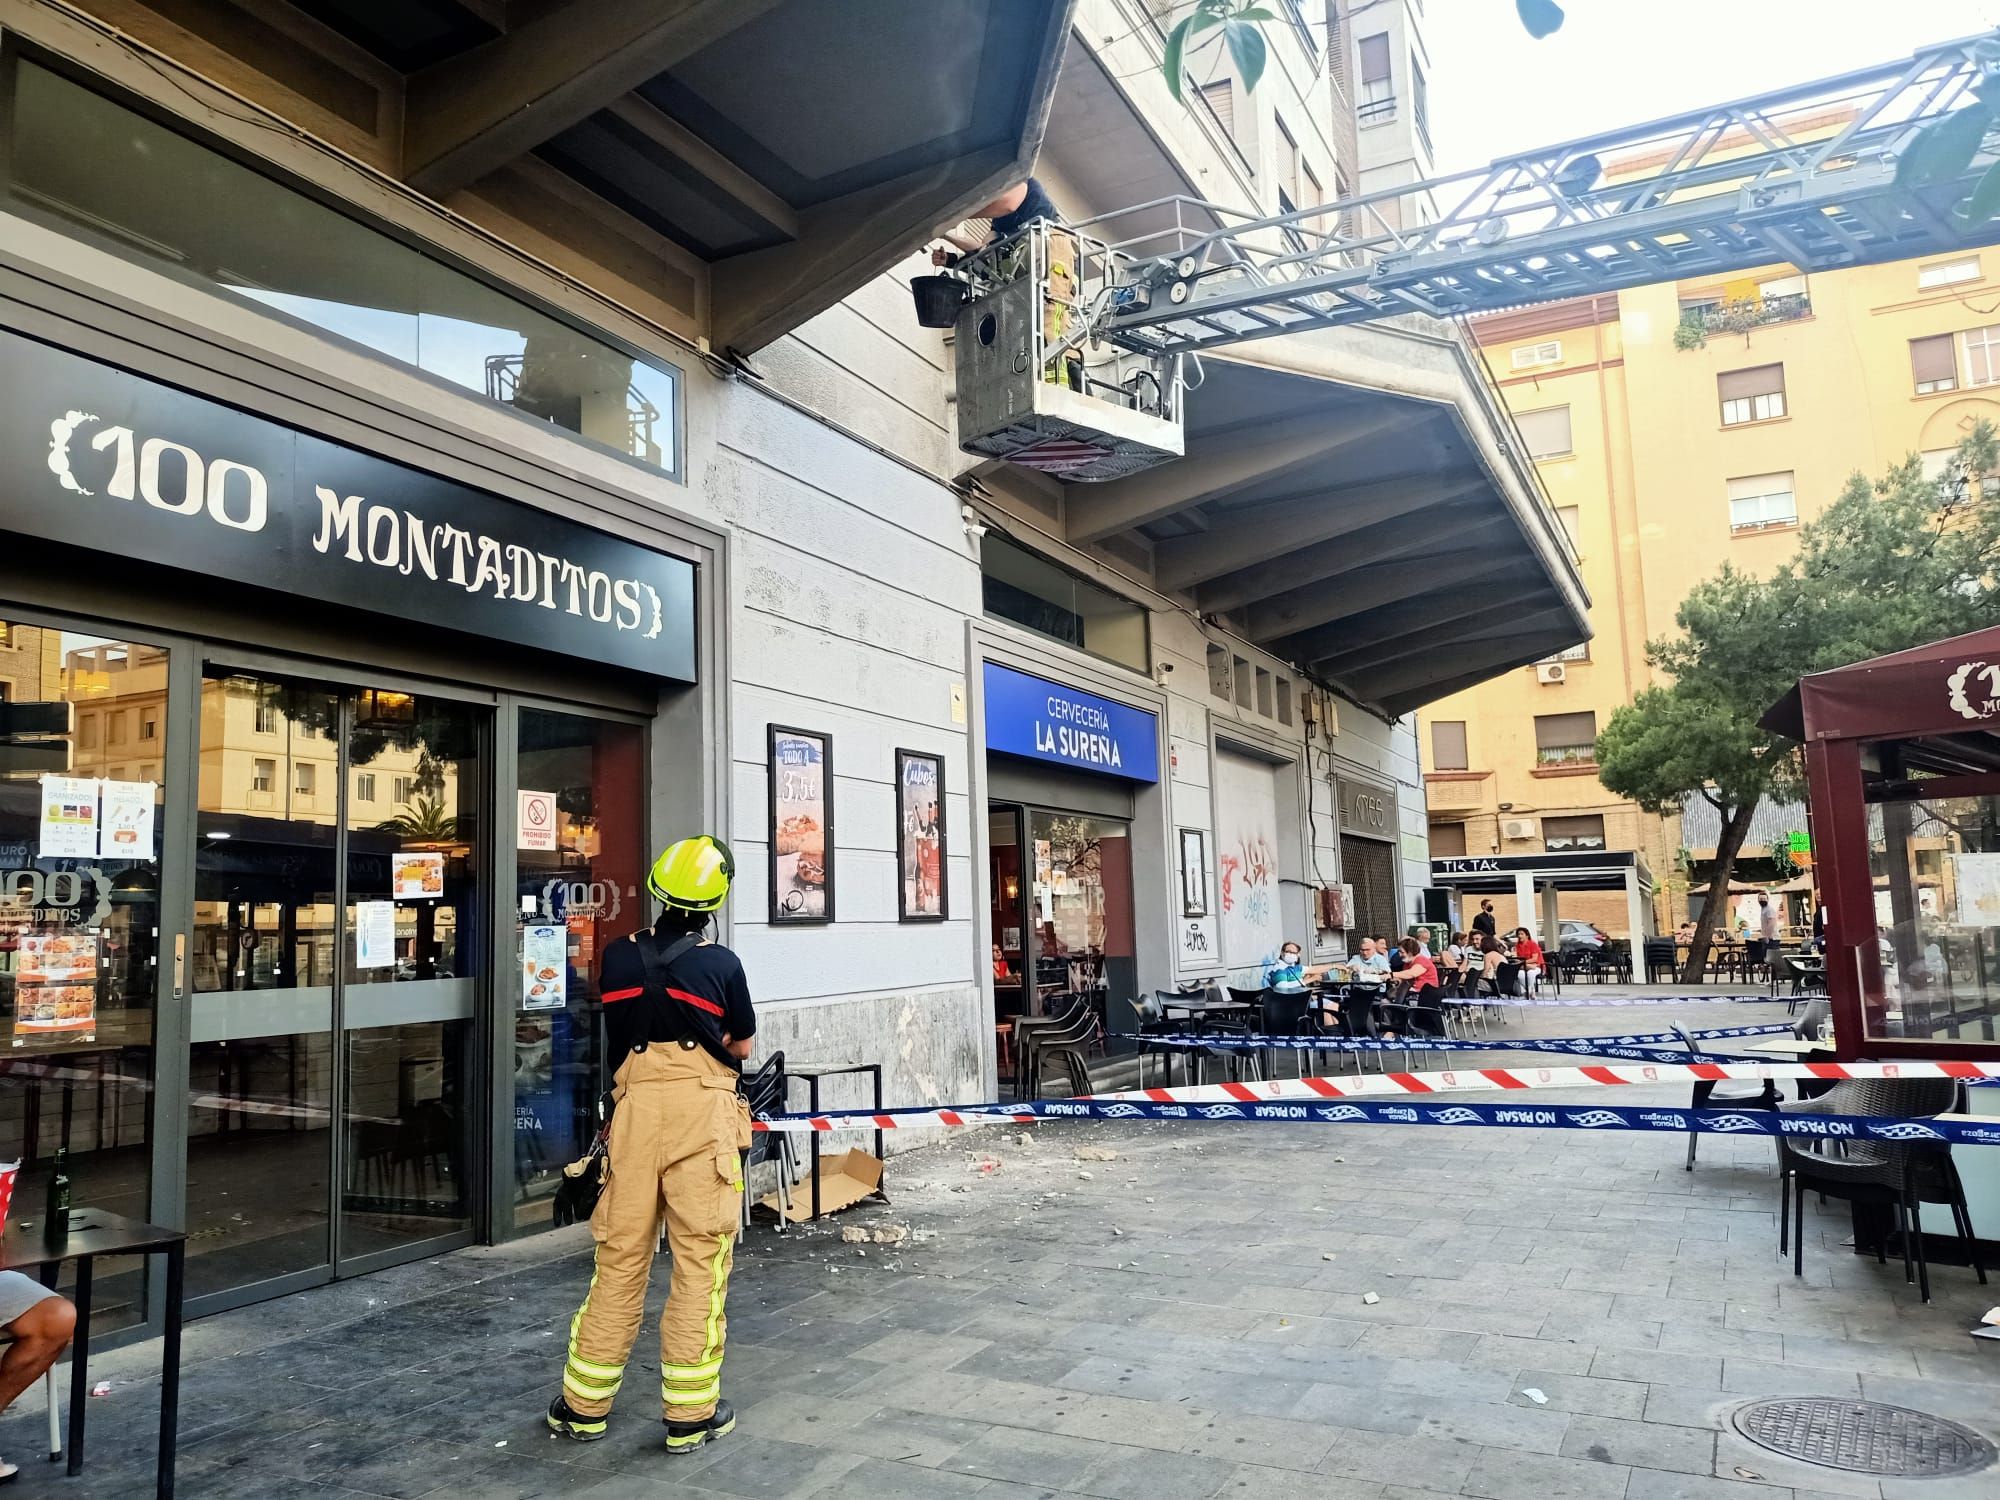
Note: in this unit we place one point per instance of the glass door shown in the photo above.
(1084, 942)
(333, 966)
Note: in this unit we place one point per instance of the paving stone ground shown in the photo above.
(1188, 1322)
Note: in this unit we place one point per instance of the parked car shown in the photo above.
(1581, 937)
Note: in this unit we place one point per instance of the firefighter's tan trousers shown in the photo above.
(675, 1135)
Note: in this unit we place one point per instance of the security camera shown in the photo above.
(975, 525)
(1166, 666)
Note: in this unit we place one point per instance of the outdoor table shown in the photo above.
(94, 1232)
(812, 1074)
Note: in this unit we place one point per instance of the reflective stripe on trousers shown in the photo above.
(674, 1141)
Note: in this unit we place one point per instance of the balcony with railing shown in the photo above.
(1375, 108)
(1700, 321)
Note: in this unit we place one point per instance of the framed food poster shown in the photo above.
(920, 895)
(801, 767)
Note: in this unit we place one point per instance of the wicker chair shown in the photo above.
(1899, 1175)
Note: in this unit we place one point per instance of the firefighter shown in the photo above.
(678, 1025)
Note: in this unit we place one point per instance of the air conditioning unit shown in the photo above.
(1550, 672)
(1517, 828)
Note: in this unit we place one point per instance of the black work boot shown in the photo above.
(685, 1437)
(570, 1424)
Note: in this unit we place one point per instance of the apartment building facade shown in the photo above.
(491, 442)
(1679, 427)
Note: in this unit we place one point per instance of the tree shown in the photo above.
(1886, 566)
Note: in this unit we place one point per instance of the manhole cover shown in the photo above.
(1865, 1437)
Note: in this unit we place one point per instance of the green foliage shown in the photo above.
(1241, 22)
(424, 821)
(1781, 857)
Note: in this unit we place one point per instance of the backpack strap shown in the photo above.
(658, 961)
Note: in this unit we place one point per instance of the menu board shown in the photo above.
(419, 875)
(55, 984)
(126, 830)
(544, 967)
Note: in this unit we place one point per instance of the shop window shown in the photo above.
(1565, 739)
(263, 774)
(1448, 745)
(1447, 840)
(1756, 395)
(1761, 501)
(1546, 432)
(1561, 835)
(1038, 595)
(364, 787)
(1933, 366)
(80, 952)
(98, 167)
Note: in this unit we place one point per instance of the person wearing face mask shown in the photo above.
(1288, 971)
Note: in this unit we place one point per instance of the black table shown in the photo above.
(812, 1074)
(95, 1232)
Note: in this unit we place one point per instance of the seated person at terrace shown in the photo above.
(1417, 967)
(1288, 971)
(1533, 960)
(1493, 955)
(1370, 965)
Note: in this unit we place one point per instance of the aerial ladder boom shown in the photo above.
(1086, 382)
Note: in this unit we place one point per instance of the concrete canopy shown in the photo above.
(796, 147)
(1355, 501)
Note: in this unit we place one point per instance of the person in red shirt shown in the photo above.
(1533, 960)
(1418, 967)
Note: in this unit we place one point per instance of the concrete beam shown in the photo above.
(683, 145)
(1340, 556)
(1342, 599)
(1223, 465)
(1417, 625)
(1500, 655)
(469, 114)
(1398, 703)
(1269, 531)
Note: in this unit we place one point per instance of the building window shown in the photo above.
(364, 787)
(1546, 432)
(1563, 834)
(114, 733)
(1571, 520)
(1219, 683)
(267, 714)
(402, 789)
(95, 165)
(1947, 273)
(1447, 840)
(86, 731)
(1982, 354)
(1288, 163)
(1420, 106)
(1758, 501)
(1565, 739)
(262, 774)
(1038, 595)
(1579, 652)
(1781, 286)
(1531, 356)
(1378, 85)
(149, 724)
(1932, 365)
(1448, 745)
(1755, 395)
(1220, 97)
(304, 778)
(1315, 195)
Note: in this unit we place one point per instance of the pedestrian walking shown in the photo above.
(678, 1026)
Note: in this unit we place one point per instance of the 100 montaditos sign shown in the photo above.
(146, 471)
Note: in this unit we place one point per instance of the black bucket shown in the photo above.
(938, 300)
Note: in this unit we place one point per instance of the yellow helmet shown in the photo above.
(693, 874)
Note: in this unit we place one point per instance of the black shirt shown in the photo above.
(707, 998)
(1483, 923)
(1037, 205)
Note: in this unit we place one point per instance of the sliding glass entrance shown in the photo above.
(334, 964)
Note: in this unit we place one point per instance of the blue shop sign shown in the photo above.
(1045, 720)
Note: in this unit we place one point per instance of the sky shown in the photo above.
(1495, 90)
